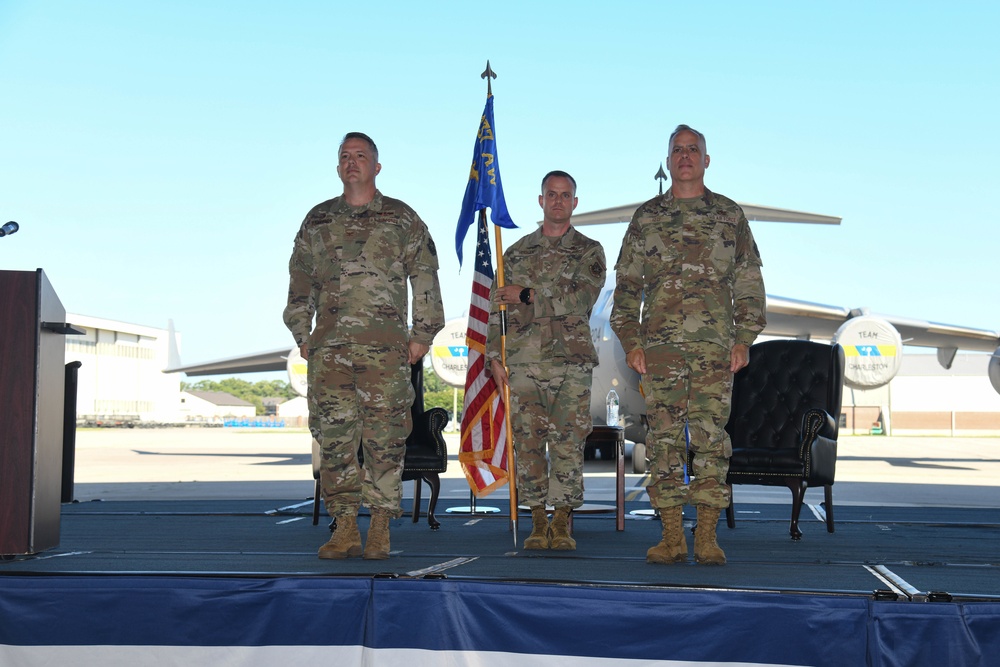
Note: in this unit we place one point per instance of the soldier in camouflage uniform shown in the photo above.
(350, 264)
(690, 255)
(553, 277)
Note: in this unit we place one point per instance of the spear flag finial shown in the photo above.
(489, 75)
(660, 176)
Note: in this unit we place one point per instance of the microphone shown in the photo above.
(9, 228)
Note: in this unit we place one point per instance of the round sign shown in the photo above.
(298, 372)
(449, 353)
(873, 351)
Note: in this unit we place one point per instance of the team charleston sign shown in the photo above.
(872, 350)
(449, 354)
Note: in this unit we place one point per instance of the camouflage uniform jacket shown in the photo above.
(697, 265)
(349, 267)
(567, 274)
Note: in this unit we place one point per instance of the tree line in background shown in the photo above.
(437, 394)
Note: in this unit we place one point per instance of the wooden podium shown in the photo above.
(32, 381)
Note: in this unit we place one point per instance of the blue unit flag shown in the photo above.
(484, 189)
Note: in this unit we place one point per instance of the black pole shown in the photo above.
(69, 431)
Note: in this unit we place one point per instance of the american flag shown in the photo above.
(483, 454)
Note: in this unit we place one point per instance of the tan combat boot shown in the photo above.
(706, 549)
(345, 541)
(539, 538)
(377, 544)
(673, 547)
(559, 530)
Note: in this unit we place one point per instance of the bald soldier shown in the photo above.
(689, 264)
(350, 264)
(553, 277)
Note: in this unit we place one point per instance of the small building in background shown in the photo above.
(271, 404)
(213, 407)
(295, 412)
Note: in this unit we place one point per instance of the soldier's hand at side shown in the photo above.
(304, 351)
(498, 372)
(636, 360)
(416, 351)
(739, 357)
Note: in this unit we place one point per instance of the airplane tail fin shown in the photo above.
(173, 347)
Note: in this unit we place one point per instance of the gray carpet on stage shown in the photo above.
(928, 550)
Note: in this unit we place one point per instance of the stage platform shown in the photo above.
(907, 552)
(199, 548)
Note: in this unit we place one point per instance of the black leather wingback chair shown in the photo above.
(426, 453)
(784, 421)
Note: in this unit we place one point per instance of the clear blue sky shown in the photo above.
(160, 156)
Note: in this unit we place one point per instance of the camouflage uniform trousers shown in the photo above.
(360, 394)
(550, 404)
(689, 381)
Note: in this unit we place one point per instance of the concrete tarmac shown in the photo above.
(275, 464)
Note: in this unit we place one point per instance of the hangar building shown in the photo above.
(121, 370)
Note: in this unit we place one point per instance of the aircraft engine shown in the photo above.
(994, 370)
(873, 351)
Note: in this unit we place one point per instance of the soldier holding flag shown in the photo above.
(484, 453)
(553, 279)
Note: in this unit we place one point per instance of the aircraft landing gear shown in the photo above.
(639, 465)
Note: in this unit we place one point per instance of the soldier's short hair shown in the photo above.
(364, 137)
(561, 174)
(688, 128)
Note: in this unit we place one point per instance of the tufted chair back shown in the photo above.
(784, 420)
(426, 450)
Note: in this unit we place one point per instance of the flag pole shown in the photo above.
(489, 75)
(511, 471)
